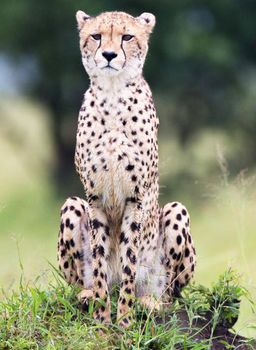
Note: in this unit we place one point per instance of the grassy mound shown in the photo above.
(32, 318)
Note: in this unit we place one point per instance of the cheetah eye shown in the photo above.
(127, 37)
(96, 36)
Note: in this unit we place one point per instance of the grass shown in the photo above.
(37, 318)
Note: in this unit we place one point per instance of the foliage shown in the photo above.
(33, 318)
(222, 300)
(200, 65)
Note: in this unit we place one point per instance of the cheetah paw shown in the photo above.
(150, 303)
(85, 294)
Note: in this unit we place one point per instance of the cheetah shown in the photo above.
(119, 234)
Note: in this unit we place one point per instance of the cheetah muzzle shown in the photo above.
(119, 235)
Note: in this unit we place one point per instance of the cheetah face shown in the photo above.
(114, 43)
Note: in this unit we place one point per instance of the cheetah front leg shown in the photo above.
(74, 253)
(99, 240)
(129, 241)
(178, 247)
(82, 248)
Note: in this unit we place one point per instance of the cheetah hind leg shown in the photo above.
(178, 248)
(74, 254)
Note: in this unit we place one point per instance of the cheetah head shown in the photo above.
(114, 43)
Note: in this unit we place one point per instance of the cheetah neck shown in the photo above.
(114, 84)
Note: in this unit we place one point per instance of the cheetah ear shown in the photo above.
(81, 18)
(148, 20)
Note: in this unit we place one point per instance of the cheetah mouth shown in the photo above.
(109, 67)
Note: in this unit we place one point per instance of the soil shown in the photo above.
(201, 330)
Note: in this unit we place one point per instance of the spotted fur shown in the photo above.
(119, 234)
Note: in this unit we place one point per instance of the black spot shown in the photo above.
(131, 256)
(93, 198)
(174, 205)
(94, 168)
(175, 227)
(95, 272)
(178, 217)
(62, 252)
(107, 230)
(92, 103)
(65, 265)
(134, 178)
(62, 227)
(101, 250)
(128, 290)
(96, 224)
(167, 213)
(103, 102)
(176, 289)
(167, 223)
(72, 243)
(182, 267)
(127, 270)
(187, 252)
(130, 167)
(171, 251)
(179, 239)
(130, 199)
(134, 226)
(67, 222)
(78, 213)
(123, 239)
(89, 124)
(134, 118)
(67, 245)
(184, 212)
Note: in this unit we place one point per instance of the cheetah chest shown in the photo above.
(111, 167)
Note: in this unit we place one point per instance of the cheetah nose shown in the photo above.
(109, 55)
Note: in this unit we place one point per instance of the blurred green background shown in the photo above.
(201, 68)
